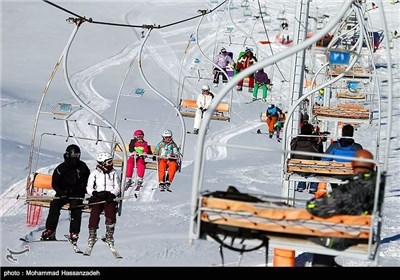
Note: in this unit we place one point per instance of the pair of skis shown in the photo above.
(75, 246)
(68, 239)
(254, 100)
(267, 133)
(113, 251)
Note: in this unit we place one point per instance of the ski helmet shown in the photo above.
(363, 154)
(270, 106)
(167, 133)
(205, 88)
(105, 162)
(223, 50)
(73, 151)
(103, 157)
(72, 154)
(138, 132)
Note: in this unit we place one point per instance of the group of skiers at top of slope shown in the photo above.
(72, 179)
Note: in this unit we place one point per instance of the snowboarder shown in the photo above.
(69, 180)
(139, 149)
(103, 184)
(168, 156)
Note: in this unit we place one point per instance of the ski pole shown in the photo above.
(103, 201)
(45, 198)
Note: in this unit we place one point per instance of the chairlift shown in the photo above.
(247, 12)
(267, 19)
(229, 29)
(64, 109)
(245, 4)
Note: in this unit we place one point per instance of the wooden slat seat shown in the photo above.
(355, 72)
(350, 95)
(188, 107)
(36, 185)
(46, 204)
(319, 167)
(347, 111)
(282, 219)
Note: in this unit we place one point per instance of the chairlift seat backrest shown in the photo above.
(353, 85)
(139, 91)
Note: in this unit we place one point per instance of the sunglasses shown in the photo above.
(139, 135)
(108, 162)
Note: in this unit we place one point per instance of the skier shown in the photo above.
(103, 184)
(244, 62)
(139, 149)
(273, 115)
(168, 155)
(203, 101)
(69, 180)
(261, 80)
(222, 60)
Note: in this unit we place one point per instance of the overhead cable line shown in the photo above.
(147, 26)
(266, 33)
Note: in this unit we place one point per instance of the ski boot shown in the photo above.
(92, 236)
(110, 234)
(128, 184)
(74, 237)
(48, 234)
(139, 184)
(167, 186)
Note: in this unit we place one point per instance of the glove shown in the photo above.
(102, 195)
(64, 195)
(110, 198)
(201, 108)
(204, 109)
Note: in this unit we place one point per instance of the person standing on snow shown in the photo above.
(104, 186)
(168, 156)
(261, 80)
(139, 149)
(69, 180)
(222, 60)
(203, 102)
